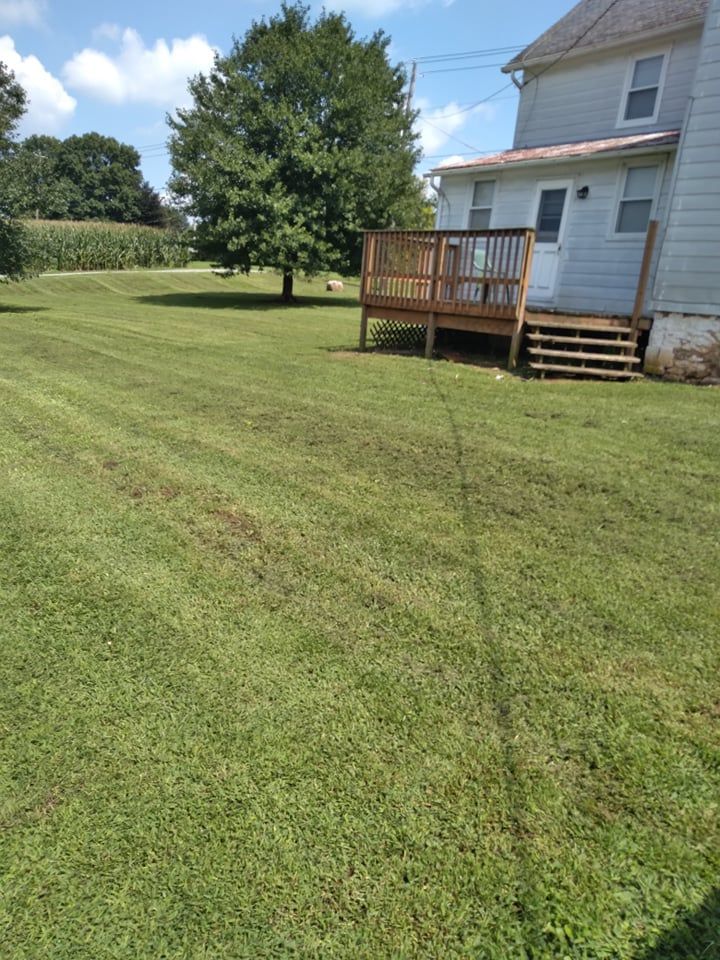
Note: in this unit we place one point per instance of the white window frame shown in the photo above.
(652, 160)
(628, 88)
(491, 208)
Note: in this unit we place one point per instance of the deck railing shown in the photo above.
(462, 272)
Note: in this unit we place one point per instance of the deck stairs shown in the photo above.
(583, 347)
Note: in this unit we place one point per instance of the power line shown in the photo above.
(468, 54)
(450, 135)
(472, 106)
(476, 66)
(575, 43)
(466, 108)
(536, 77)
(157, 151)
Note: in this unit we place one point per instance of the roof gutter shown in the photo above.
(544, 161)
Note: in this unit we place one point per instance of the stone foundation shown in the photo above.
(684, 347)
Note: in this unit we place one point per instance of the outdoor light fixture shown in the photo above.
(583, 193)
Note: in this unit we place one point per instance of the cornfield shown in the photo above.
(89, 245)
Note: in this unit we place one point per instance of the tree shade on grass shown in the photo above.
(295, 142)
(312, 653)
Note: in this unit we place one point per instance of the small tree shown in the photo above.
(295, 142)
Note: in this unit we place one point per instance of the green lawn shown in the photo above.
(307, 653)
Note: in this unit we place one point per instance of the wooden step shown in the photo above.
(583, 341)
(578, 355)
(539, 325)
(586, 371)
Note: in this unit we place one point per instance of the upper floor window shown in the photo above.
(643, 90)
(637, 199)
(482, 204)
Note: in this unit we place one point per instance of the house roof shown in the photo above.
(638, 143)
(595, 23)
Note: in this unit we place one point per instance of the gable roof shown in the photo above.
(596, 23)
(599, 149)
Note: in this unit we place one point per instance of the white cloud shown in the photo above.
(439, 126)
(107, 31)
(50, 105)
(139, 74)
(15, 13)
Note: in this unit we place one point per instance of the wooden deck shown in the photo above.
(474, 280)
(477, 280)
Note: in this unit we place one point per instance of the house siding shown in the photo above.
(688, 279)
(454, 205)
(580, 99)
(685, 340)
(598, 272)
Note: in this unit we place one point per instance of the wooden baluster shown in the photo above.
(505, 288)
(514, 291)
(457, 260)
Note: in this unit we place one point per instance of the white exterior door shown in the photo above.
(551, 211)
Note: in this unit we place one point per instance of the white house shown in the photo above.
(618, 101)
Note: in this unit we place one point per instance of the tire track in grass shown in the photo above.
(490, 647)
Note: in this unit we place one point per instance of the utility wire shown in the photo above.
(467, 54)
(476, 66)
(575, 43)
(466, 108)
(536, 76)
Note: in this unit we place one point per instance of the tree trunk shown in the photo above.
(287, 293)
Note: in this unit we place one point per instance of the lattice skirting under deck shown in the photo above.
(392, 335)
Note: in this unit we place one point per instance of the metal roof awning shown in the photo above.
(586, 149)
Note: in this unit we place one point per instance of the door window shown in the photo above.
(550, 215)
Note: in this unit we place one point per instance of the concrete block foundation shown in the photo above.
(684, 347)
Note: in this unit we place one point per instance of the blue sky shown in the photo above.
(118, 67)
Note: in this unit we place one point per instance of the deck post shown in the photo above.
(363, 328)
(430, 337)
(516, 342)
(643, 279)
(519, 328)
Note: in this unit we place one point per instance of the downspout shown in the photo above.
(441, 195)
(653, 295)
(518, 83)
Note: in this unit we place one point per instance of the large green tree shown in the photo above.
(295, 142)
(30, 185)
(13, 102)
(88, 177)
(104, 176)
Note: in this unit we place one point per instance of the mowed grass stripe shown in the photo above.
(314, 654)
